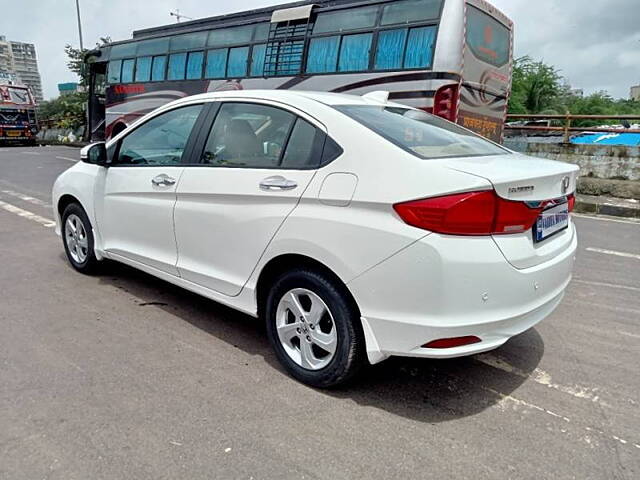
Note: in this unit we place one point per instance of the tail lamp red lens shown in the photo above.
(471, 213)
(445, 102)
(452, 342)
(571, 199)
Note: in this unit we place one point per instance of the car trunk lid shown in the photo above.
(532, 180)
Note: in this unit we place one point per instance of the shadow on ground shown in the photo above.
(423, 390)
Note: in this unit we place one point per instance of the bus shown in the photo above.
(452, 58)
(18, 120)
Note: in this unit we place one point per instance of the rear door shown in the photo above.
(256, 160)
(136, 194)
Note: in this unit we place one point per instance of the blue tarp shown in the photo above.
(626, 139)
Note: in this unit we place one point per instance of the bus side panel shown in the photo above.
(128, 102)
(488, 59)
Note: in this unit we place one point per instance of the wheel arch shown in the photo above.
(285, 262)
(65, 200)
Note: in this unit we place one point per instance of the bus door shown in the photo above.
(96, 106)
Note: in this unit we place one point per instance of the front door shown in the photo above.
(256, 163)
(136, 194)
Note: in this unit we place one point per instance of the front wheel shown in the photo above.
(77, 237)
(313, 326)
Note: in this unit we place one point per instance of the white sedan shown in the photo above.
(357, 229)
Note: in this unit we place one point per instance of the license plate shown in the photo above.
(14, 133)
(551, 221)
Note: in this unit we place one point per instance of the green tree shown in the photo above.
(76, 63)
(536, 87)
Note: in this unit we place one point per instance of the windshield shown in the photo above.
(424, 135)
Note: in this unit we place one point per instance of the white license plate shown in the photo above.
(551, 221)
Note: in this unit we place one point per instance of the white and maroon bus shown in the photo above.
(449, 57)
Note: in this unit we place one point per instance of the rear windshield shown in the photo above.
(489, 40)
(417, 132)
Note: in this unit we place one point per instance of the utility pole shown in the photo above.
(79, 24)
(179, 16)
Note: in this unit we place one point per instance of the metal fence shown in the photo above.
(567, 121)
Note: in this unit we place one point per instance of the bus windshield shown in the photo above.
(419, 133)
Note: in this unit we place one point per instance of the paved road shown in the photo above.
(124, 376)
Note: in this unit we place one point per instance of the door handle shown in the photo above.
(163, 180)
(277, 182)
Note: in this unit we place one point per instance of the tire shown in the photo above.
(338, 329)
(78, 247)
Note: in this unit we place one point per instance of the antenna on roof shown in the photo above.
(179, 16)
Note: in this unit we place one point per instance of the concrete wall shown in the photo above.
(601, 161)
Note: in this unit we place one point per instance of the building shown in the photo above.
(67, 88)
(635, 93)
(19, 59)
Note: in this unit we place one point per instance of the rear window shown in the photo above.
(417, 132)
(488, 39)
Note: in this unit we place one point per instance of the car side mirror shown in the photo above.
(96, 154)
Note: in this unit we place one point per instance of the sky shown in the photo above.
(595, 44)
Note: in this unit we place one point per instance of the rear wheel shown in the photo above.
(77, 237)
(313, 326)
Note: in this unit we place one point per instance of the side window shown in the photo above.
(304, 146)
(161, 140)
(248, 135)
(127, 71)
(177, 63)
(157, 70)
(114, 71)
(143, 69)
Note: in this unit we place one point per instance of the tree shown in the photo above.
(536, 86)
(76, 63)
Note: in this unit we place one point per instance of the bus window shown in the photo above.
(409, 11)
(124, 50)
(420, 45)
(114, 71)
(177, 62)
(143, 69)
(157, 46)
(257, 60)
(158, 68)
(323, 55)
(488, 39)
(230, 36)
(340, 21)
(390, 51)
(262, 32)
(127, 70)
(188, 41)
(216, 63)
(354, 52)
(194, 65)
(237, 64)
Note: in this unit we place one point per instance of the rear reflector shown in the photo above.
(471, 213)
(452, 342)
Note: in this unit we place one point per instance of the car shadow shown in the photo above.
(425, 390)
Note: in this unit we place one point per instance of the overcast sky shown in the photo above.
(595, 43)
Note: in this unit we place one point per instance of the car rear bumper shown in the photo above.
(445, 287)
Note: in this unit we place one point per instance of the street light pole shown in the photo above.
(79, 24)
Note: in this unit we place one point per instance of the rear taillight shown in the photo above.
(571, 199)
(472, 213)
(445, 102)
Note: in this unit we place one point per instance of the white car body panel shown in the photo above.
(215, 231)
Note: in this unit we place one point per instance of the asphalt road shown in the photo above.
(125, 376)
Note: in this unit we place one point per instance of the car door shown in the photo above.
(136, 194)
(257, 159)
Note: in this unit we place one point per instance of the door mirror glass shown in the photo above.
(96, 154)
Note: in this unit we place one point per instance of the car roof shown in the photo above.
(289, 96)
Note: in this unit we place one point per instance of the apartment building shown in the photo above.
(19, 60)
